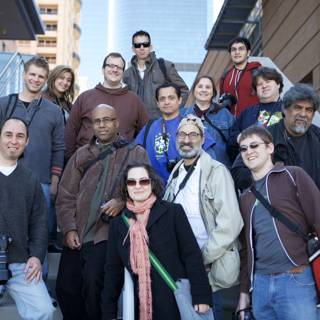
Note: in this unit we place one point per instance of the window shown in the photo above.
(51, 27)
(50, 58)
(48, 10)
(47, 42)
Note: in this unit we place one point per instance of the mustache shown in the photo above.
(185, 145)
(300, 118)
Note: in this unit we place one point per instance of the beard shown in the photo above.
(300, 128)
(194, 152)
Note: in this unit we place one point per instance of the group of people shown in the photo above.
(129, 170)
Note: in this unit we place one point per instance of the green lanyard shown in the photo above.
(156, 263)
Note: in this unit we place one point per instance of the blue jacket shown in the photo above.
(222, 119)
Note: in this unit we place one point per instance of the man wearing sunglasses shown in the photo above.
(147, 72)
(87, 200)
(205, 189)
(274, 260)
(296, 139)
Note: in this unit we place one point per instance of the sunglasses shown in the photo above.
(144, 44)
(252, 145)
(142, 182)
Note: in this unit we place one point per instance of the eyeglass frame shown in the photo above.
(104, 121)
(191, 135)
(112, 66)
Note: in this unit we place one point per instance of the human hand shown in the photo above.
(201, 308)
(33, 270)
(72, 240)
(112, 208)
(244, 302)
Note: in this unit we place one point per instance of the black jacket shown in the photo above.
(172, 241)
(247, 118)
(284, 152)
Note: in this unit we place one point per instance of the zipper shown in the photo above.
(276, 229)
(251, 247)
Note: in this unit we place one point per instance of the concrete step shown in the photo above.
(8, 310)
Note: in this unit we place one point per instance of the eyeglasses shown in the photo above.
(191, 135)
(252, 145)
(114, 66)
(104, 121)
(142, 182)
(144, 44)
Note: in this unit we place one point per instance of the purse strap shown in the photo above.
(279, 216)
(164, 274)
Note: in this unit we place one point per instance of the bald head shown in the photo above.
(104, 106)
(105, 123)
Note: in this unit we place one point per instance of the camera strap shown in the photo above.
(280, 216)
(166, 138)
(186, 178)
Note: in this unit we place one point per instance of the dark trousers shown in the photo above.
(80, 281)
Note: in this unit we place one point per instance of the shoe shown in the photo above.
(54, 248)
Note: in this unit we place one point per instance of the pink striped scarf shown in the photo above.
(139, 254)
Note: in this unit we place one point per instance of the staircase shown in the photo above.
(11, 70)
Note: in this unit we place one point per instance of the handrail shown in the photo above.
(16, 54)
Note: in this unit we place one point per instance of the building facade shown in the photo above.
(178, 29)
(288, 32)
(60, 43)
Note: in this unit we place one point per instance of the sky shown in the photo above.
(93, 41)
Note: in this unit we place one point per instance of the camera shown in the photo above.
(171, 164)
(5, 273)
(227, 100)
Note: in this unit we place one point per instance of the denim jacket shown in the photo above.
(223, 119)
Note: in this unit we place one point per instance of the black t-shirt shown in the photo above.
(303, 150)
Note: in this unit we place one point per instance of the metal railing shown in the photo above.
(11, 75)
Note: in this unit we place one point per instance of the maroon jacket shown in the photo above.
(131, 114)
(293, 193)
(239, 84)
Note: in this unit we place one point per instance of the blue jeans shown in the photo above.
(32, 299)
(217, 305)
(285, 296)
(52, 218)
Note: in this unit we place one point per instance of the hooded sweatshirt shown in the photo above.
(239, 84)
(130, 110)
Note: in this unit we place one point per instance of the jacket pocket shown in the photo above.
(225, 271)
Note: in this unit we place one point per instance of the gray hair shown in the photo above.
(301, 92)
